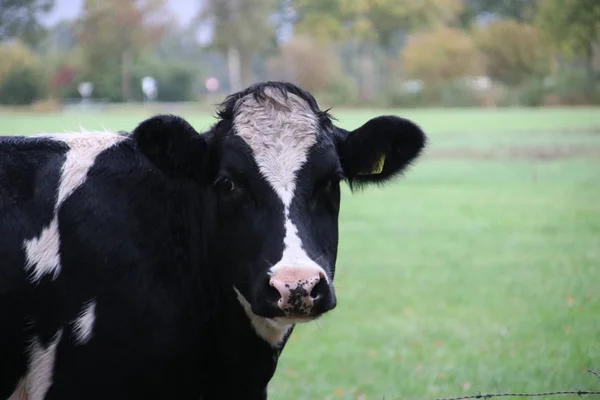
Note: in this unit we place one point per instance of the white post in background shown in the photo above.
(234, 69)
(150, 88)
(85, 89)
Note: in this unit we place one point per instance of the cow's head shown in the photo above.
(270, 171)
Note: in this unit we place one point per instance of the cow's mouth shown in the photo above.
(294, 312)
(295, 320)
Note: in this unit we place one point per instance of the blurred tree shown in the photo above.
(512, 52)
(370, 23)
(21, 19)
(63, 59)
(520, 10)
(304, 62)
(58, 39)
(21, 75)
(63, 79)
(15, 55)
(22, 86)
(112, 33)
(573, 27)
(175, 77)
(241, 29)
(179, 43)
(439, 57)
(64, 68)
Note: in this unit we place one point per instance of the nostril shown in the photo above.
(319, 290)
(273, 294)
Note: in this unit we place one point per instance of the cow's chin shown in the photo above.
(278, 317)
(293, 320)
(268, 311)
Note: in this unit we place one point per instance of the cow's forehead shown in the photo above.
(280, 128)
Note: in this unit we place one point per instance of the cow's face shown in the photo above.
(270, 173)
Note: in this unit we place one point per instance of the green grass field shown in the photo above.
(477, 272)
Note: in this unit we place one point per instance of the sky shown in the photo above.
(184, 10)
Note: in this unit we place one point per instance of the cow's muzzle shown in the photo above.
(298, 292)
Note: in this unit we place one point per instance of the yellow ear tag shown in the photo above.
(378, 167)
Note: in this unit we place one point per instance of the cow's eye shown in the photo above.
(327, 194)
(332, 184)
(225, 185)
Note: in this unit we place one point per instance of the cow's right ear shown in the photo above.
(172, 145)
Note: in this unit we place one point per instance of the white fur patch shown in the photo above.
(84, 324)
(35, 385)
(42, 252)
(270, 330)
(280, 133)
(20, 392)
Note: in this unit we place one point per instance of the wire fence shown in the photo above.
(580, 393)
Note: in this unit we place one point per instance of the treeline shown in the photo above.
(349, 52)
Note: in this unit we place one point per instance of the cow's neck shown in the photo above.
(238, 355)
(236, 352)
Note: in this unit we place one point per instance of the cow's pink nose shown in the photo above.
(299, 288)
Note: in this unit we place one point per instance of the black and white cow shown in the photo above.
(167, 264)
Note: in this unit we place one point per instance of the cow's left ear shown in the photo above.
(172, 145)
(379, 150)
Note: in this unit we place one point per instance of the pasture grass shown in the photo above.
(479, 271)
(459, 120)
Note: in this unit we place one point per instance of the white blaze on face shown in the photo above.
(280, 130)
(42, 252)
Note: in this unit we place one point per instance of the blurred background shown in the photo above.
(479, 270)
(397, 53)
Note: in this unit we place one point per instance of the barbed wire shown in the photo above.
(594, 373)
(580, 393)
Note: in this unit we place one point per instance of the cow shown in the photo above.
(167, 263)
